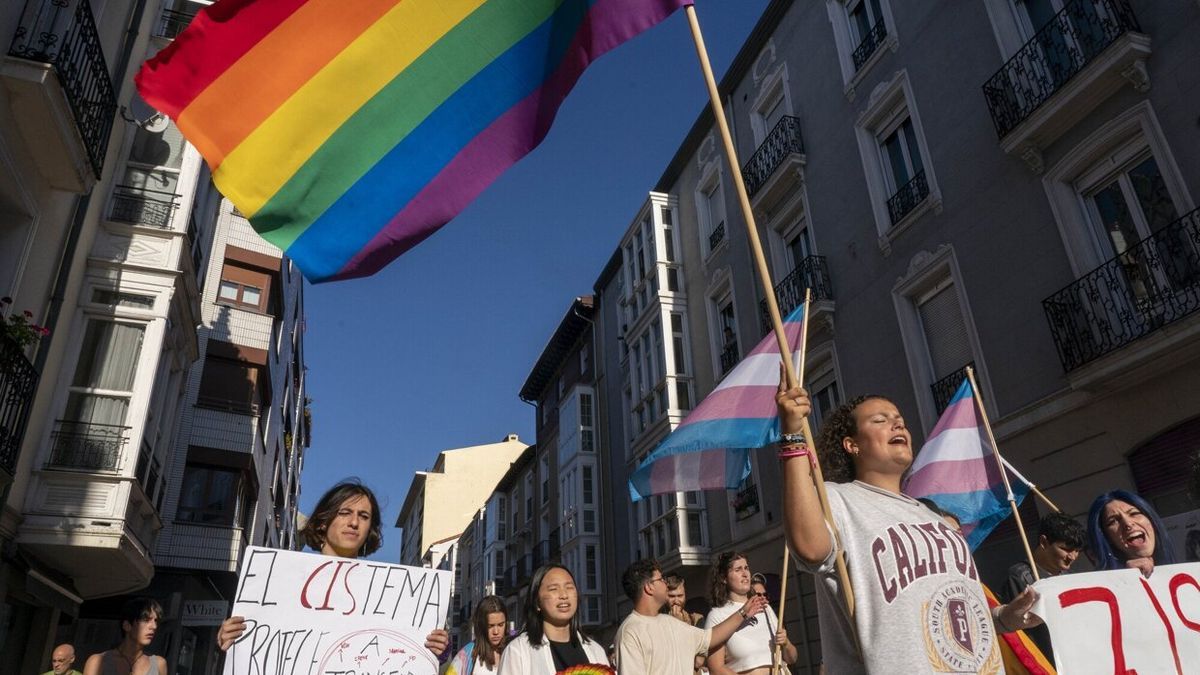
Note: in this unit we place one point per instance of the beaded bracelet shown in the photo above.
(793, 450)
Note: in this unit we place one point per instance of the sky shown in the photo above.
(430, 353)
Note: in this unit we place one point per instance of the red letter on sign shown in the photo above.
(1077, 596)
(1166, 623)
(1183, 580)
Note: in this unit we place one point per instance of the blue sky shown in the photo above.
(430, 353)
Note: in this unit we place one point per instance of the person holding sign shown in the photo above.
(346, 523)
(920, 606)
(481, 656)
(552, 640)
(750, 648)
(139, 623)
(1124, 531)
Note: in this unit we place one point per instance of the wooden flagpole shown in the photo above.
(764, 276)
(777, 658)
(1012, 501)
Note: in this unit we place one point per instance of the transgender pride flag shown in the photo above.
(709, 450)
(957, 469)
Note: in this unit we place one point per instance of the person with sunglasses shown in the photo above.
(752, 647)
(652, 643)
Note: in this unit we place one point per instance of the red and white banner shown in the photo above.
(1120, 622)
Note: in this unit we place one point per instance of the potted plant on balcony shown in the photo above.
(19, 328)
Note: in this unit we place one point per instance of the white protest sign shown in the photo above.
(310, 614)
(1120, 622)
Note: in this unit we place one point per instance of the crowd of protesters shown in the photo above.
(865, 449)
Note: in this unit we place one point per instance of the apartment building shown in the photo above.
(91, 249)
(440, 502)
(135, 463)
(1005, 185)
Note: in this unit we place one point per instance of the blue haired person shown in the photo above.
(1124, 531)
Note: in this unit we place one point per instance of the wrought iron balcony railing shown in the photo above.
(171, 23)
(907, 197)
(1151, 284)
(1059, 50)
(18, 382)
(62, 33)
(729, 357)
(869, 44)
(783, 140)
(87, 446)
(141, 206)
(944, 389)
(811, 273)
(717, 236)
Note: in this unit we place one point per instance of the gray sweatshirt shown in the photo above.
(919, 608)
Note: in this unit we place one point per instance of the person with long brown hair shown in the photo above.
(346, 523)
(489, 626)
(750, 649)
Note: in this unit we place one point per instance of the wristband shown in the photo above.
(793, 450)
(792, 439)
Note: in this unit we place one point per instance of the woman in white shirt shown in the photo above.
(751, 648)
(551, 640)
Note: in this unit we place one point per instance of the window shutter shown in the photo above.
(945, 332)
(1164, 464)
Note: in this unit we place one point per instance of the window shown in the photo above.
(902, 160)
(591, 571)
(102, 386)
(501, 516)
(243, 287)
(728, 341)
(588, 490)
(939, 336)
(867, 29)
(528, 497)
(945, 331)
(895, 157)
(824, 400)
(544, 471)
(210, 495)
(587, 434)
(230, 385)
(711, 206)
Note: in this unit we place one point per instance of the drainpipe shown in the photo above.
(58, 295)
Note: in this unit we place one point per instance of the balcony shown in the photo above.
(1151, 285)
(944, 389)
(870, 43)
(82, 446)
(782, 147)
(171, 23)
(908, 197)
(62, 97)
(729, 357)
(811, 273)
(140, 206)
(88, 515)
(717, 236)
(1088, 50)
(18, 382)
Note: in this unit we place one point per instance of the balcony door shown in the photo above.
(1062, 36)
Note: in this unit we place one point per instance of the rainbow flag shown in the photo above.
(349, 131)
(709, 450)
(957, 469)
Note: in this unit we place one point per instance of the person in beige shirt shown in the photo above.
(653, 643)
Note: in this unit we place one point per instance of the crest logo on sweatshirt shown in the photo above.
(959, 635)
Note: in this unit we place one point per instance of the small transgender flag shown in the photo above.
(957, 470)
(709, 450)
